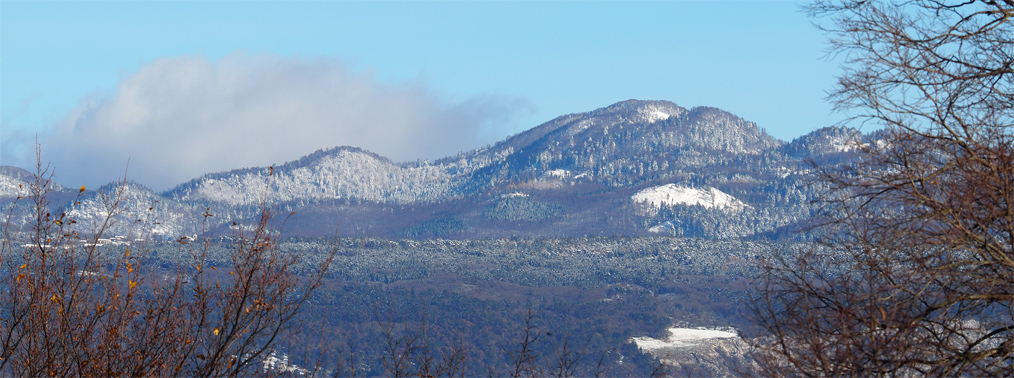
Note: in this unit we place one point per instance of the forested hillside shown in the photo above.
(576, 175)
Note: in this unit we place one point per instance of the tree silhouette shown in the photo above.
(915, 272)
(73, 305)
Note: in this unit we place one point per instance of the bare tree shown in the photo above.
(523, 356)
(915, 272)
(566, 359)
(70, 308)
(409, 352)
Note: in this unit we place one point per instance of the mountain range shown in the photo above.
(628, 169)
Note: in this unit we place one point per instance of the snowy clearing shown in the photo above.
(682, 337)
(672, 194)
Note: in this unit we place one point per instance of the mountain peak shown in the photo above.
(15, 181)
(699, 162)
(634, 105)
(642, 110)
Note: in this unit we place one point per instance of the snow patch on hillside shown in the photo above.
(667, 228)
(558, 173)
(843, 144)
(682, 337)
(705, 352)
(581, 126)
(658, 116)
(654, 113)
(671, 194)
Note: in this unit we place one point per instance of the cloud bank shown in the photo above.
(178, 118)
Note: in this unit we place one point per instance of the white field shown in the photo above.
(682, 337)
(671, 194)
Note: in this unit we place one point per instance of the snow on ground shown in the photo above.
(682, 337)
(658, 116)
(340, 174)
(13, 184)
(581, 126)
(12, 187)
(700, 352)
(558, 173)
(843, 145)
(272, 363)
(662, 228)
(671, 194)
(652, 114)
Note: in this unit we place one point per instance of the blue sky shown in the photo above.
(165, 83)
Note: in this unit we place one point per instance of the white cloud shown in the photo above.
(178, 118)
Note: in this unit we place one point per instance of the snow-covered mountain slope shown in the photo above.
(330, 174)
(627, 143)
(138, 212)
(672, 194)
(825, 141)
(583, 173)
(14, 182)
